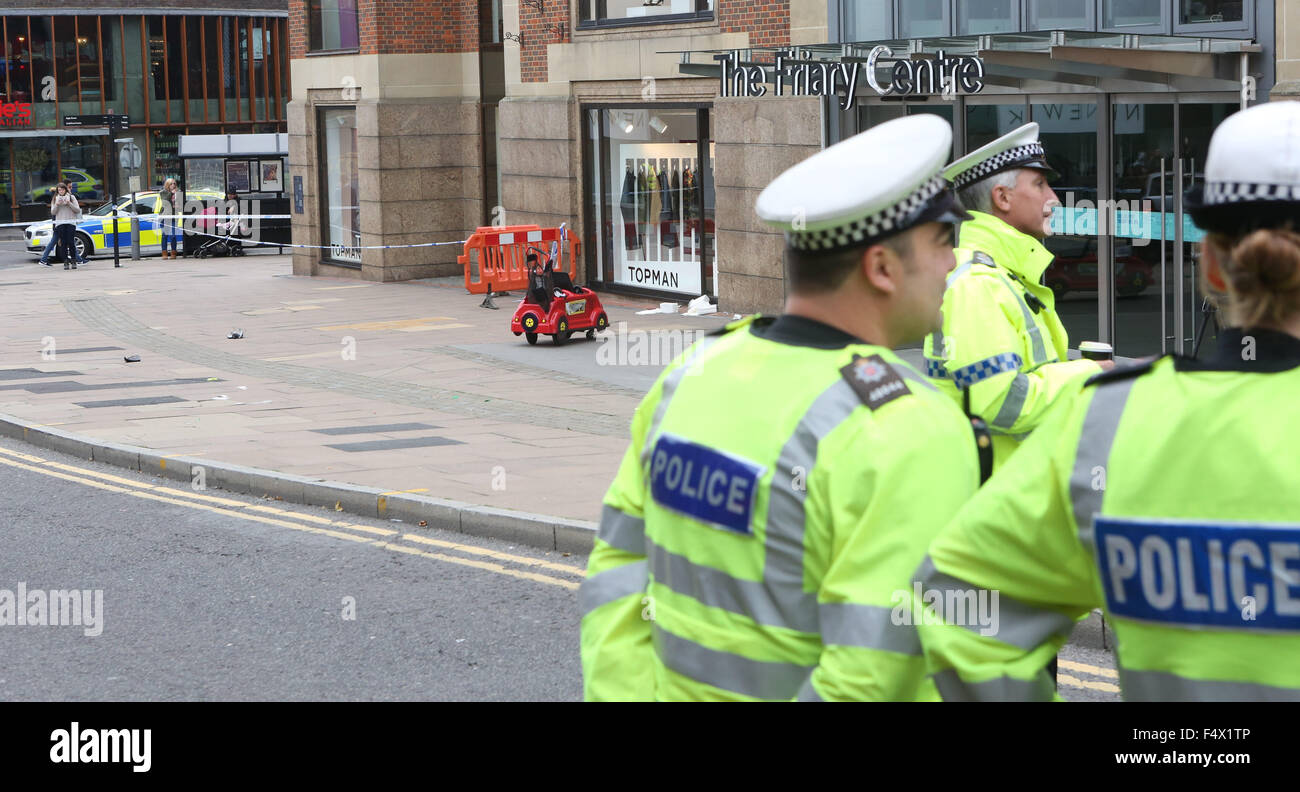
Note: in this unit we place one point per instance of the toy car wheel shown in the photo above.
(602, 322)
(532, 337)
(561, 332)
(1059, 288)
(591, 334)
(529, 323)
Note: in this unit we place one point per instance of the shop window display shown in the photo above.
(655, 218)
(342, 183)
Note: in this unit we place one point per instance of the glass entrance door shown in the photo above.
(1158, 153)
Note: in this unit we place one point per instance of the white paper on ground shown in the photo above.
(699, 306)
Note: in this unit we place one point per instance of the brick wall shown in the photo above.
(297, 28)
(538, 30)
(766, 21)
(400, 26)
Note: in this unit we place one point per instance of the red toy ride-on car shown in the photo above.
(554, 306)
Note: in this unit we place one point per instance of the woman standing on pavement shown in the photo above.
(171, 205)
(66, 212)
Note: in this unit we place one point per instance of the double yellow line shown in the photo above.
(478, 557)
(1072, 681)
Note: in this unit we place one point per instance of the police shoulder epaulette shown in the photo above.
(875, 381)
(756, 319)
(980, 257)
(1123, 371)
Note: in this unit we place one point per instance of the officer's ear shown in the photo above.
(882, 268)
(1213, 267)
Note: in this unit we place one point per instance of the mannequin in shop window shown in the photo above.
(627, 205)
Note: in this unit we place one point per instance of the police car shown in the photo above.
(95, 231)
(84, 186)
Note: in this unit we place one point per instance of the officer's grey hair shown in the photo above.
(979, 196)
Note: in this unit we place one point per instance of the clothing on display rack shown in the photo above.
(642, 197)
(627, 206)
(652, 197)
(668, 212)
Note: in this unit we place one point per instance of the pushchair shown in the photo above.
(224, 245)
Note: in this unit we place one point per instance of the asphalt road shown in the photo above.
(217, 596)
(210, 600)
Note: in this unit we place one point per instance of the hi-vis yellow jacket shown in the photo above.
(1165, 493)
(1001, 336)
(783, 482)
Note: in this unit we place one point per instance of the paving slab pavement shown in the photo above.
(419, 389)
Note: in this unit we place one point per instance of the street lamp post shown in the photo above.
(117, 260)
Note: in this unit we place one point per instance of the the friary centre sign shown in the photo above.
(792, 75)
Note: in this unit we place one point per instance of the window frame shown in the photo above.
(1029, 13)
(1247, 23)
(311, 28)
(594, 154)
(949, 22)
(839, 31)
(322, 174)
(1163, 27)
(1017, 18)
(601, 22)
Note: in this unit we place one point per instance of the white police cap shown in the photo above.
(1252, 171)
(1019, 148)
(872, 186)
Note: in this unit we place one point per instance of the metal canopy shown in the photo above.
(1109, 62)
(259, 145)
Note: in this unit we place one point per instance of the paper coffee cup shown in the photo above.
(1096, 350)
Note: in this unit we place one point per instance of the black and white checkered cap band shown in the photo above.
(1222, 193)
(871, 227)
(1029, 152)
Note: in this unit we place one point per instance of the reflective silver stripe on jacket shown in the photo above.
(952, 688)
(1018, 623)
(808, 692)
(1014, 403)
(1163, 686)
(621, 530)
(692, 358)
(1097, 436)
(783, 543)
(717, 589)
(754, 678)
(868, 627)
(1031, 326)
(615, 583)
(957, 273)
(779, 600)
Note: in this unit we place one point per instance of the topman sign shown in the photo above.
(795, 76)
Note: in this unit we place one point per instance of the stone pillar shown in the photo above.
(1286, 83)
(537, 157)
(756, 140)
(421, 181)
(420, 171)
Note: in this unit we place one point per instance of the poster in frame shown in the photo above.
(272, 175)
(237, 176)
